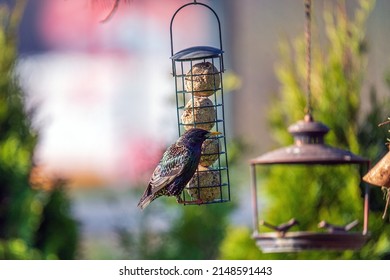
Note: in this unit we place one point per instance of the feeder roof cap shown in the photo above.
(309, 154)
(309, 148)
(197, 52)
(308, 126)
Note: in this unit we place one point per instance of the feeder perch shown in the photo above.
(334, 228)
(198, 72)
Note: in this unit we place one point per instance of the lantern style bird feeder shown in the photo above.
(308, 149)
(198, 72)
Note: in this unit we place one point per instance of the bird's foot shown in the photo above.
(179, 199)
(198, 201)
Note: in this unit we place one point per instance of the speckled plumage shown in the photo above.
(176, 167)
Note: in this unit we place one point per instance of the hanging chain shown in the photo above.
(308, 56)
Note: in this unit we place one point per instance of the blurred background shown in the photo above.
(100, 110)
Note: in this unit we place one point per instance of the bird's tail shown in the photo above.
(144, 201)
(146, 198)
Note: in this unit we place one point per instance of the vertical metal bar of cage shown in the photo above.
(254, 198)
(183, 95)
(192, 94)
(366, 209)
(366, 203)
(177, 92)
(223, 124)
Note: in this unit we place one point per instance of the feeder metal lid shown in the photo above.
(309, 154)
(198, 52)
(308, 126)
(309, 148)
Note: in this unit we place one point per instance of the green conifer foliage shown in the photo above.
(24, 211)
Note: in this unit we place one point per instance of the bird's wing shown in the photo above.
(170, 166)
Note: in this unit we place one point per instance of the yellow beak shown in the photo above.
(213, 133)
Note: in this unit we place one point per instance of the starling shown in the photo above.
(177, 166)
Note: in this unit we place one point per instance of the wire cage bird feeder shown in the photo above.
(309, 149)
(198, 72)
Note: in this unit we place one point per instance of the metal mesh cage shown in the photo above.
(198, 77)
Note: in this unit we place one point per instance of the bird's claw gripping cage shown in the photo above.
(198, 72)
